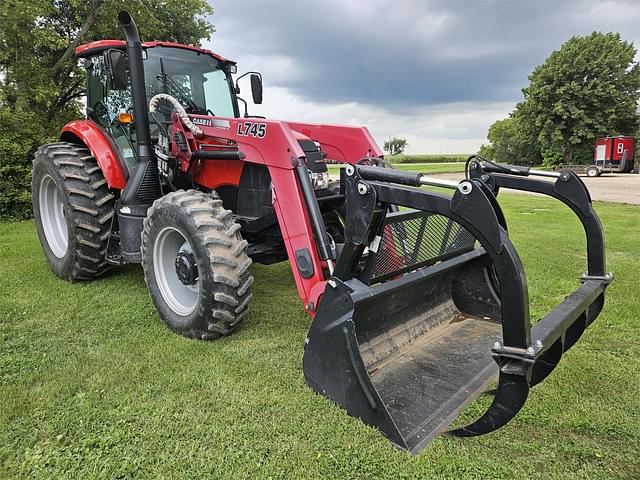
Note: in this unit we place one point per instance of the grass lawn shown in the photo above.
(93, 385)
(417, 167)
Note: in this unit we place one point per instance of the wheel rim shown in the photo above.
(180, 298)
(52, 219)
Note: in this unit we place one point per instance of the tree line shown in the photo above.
(589, 88)
(41, 82)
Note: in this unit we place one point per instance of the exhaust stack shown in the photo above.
(143, 186)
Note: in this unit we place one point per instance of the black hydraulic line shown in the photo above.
(322, 240)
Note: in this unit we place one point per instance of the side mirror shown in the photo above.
(256, 88)
(116, 63)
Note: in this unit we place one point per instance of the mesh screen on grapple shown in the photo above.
(414, 239)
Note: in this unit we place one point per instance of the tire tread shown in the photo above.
(91, 203)
(228, 295)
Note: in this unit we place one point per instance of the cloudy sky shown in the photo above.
(435, 72)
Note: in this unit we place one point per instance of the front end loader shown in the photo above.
(428, 303)
(417, 296)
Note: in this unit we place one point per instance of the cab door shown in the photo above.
(103, 106)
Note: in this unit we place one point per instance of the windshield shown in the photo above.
(195, 79)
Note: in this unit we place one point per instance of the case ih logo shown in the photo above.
(206, 122)
(211, 122)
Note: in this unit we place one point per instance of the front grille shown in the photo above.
(412, 239)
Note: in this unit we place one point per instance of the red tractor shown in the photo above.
(418, 298)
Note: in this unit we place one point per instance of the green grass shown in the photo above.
(93, 385)
(417, 167)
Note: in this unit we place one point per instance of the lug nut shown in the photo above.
(350, 170)
(363, 189)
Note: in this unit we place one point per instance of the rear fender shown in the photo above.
(91, 135)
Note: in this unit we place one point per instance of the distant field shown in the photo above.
(450, 167)
(436, 158)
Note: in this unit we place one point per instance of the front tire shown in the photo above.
(73, 209)
(196, 265)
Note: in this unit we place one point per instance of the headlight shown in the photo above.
(319, 180)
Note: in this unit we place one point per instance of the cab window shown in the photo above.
(104, 105)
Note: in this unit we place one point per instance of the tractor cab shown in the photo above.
(199, 79)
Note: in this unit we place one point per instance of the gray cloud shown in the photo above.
(407, 54)
(436, 72)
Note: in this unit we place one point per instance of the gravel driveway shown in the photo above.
(613, 187)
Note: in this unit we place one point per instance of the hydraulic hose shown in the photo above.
(186, 121)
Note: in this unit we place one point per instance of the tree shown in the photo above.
(588, 88)
(40, 80)
(395, 145)
(510, 144)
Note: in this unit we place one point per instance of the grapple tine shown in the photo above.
(511, 395)
(491, 393)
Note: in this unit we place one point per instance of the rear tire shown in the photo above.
(73, 208)
(208, 293)
(593, 172)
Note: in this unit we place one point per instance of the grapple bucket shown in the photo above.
(428, 305)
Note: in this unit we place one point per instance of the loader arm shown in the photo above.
(274, 145)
